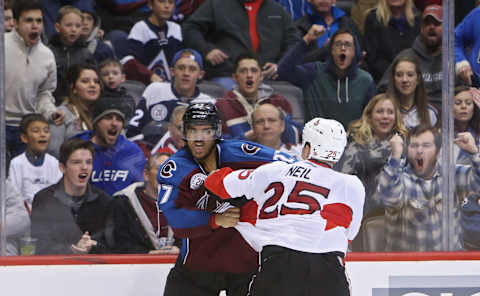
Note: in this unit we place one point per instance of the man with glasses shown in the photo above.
(214, 256)
(325, 13)
(335, 89)
(412, 193)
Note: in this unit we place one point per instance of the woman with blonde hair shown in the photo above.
(84, 89)
(390, 27)
(405, 84)
(368, 148)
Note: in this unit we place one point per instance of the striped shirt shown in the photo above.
(414, 205)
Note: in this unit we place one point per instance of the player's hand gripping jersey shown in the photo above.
(304, 206)
(188, 208)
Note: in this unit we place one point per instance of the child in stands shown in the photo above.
(34, 169)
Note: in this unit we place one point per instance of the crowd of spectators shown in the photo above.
(84, 144)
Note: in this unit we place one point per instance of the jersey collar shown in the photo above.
(320, 163)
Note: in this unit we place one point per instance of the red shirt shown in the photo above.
(252, 10)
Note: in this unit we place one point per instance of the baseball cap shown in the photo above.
(434, 11)
(188, 52)
(105, 106)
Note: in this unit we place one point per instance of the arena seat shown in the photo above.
(135, 89)
(293, 94)
(374, 234)
(212, 89)
(345, 5)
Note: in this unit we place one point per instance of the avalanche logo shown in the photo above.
(197, 180)
(168, 168)
(250, 149)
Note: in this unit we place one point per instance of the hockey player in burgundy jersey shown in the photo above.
(303, 216)
(214, 256)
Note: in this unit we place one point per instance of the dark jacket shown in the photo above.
(65, 57)
(326, 94)
(384, 43)
(314, 52)
(223, 24)
(60, 220)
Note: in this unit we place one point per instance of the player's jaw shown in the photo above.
(201, 149)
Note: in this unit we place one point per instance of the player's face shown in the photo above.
(162, 10)
(463, 107)
(87, 87)
(112, 76)
(406, 78)
(431, 32)
(321, 5)
(30, 26)
(267, 124)
(107, 130)
(383, 118)
(422, 155)
(69, 28)
(343, 51)
(248, 77)
(187, 72)
(37, 137)
(8, 21)
(87, 24)
(200, 140)
(77, 170)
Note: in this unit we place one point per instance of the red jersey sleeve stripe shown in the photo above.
(214, 183)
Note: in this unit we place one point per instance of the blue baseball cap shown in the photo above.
(188, 52)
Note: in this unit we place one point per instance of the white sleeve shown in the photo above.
(240, 183)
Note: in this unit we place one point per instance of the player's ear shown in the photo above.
(306, 151)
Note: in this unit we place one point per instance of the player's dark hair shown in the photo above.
(70, 146)
(28, 119)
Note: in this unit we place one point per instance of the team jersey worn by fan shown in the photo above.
(157, 104)
(187, 207)
(303, 206)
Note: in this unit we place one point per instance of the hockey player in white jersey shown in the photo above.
(299, 216)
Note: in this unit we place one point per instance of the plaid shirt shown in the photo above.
(414, 205)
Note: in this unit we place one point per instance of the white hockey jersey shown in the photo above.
(304, 206)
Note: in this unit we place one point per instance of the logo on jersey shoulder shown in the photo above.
(250, 149)
(197, 180)
(168, 168)
(159, 112)
(244, 174)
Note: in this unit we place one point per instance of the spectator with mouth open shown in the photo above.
(336, 89)
(412, 193)
(117, 162)
(239, 103)
(30, 73)
(71, 216)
